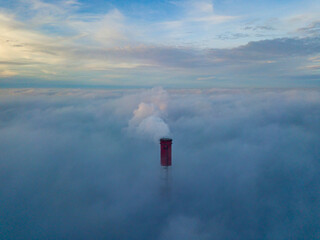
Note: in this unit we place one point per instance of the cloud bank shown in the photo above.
(245, 165)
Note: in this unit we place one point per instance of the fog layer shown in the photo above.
(84, 164)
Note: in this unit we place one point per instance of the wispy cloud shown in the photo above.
(312, 29)
(7, 73)
(205, 78)
(313, 67)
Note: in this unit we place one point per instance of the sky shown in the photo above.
(85, 164)
(87, 88)
(170, 43)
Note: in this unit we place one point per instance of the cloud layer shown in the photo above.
(245, 165)
(67, 43)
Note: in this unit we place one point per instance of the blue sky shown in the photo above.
(205, 43)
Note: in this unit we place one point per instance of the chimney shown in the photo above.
(165, 151)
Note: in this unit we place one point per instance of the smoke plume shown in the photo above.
(148, 119)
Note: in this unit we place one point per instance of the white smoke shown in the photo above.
(148, 118)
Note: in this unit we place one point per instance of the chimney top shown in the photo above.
(165, 139)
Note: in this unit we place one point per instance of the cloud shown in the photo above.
(272, 49)
(202, 11)
(313, 29)
(205, 78)
(245, 165)
(72, 2)
(183, 57)
(313, 67)
(7, 73)
(229, 35)
(28, 40)
(43, 37)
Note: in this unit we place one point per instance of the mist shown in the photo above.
(85, 164)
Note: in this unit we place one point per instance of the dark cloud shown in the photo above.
(185, 57)
(259, 28)
(275, 49)
(245, 166)
(288, 53)
(15, 63)
(313, 29)
(230, 35)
